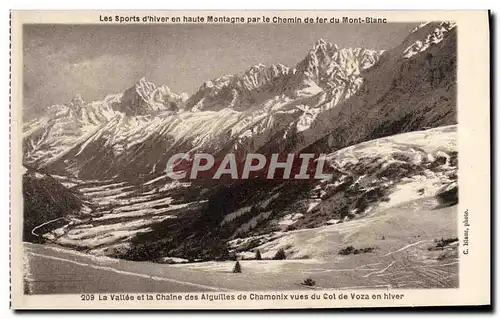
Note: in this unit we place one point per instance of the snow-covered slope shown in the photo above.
(336, 71)
(146, 98)
(367, 177)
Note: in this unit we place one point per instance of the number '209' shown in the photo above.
(87, 297)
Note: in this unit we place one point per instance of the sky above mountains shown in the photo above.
(61, 61)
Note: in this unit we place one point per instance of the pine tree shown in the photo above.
(257, 255)
(280, 254)
(237, 267)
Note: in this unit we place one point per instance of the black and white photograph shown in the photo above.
(106, 107)
(234, 160)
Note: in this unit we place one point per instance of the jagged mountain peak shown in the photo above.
(324, 53)
(145, 97)
(322, 48)
(143, 88)
(330, 67)
(75, 104)
(256, 67)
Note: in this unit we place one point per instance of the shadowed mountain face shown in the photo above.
(351, 104)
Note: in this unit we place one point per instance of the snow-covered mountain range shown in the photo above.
(386, 119)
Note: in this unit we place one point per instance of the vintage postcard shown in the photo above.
(249, 159)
